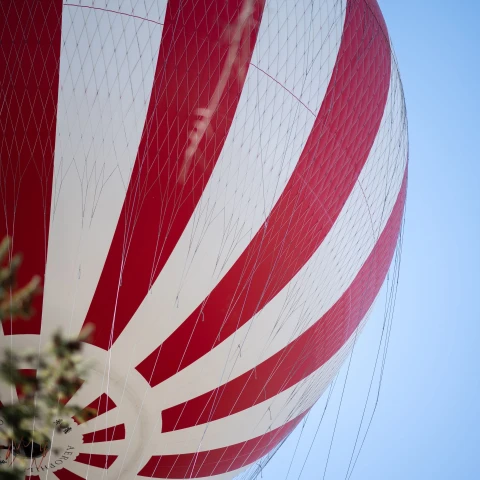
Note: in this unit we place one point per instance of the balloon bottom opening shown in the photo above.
(32, 450)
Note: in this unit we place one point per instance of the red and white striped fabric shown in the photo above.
(218, 187)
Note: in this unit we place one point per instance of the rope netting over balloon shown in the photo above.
(219, 189)
(308, 449)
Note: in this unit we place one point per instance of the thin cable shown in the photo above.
(332, 387)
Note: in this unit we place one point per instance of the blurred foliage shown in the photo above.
(43, 397)
(14, 302)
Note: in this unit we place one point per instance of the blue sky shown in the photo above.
(427, 423)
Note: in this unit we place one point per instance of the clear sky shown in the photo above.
(427, 423)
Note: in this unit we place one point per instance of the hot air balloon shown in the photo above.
(218, 187)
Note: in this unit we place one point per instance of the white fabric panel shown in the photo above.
(152, 10)
(85, 471)
(8, 394)
(310, 38)
(107, 64)
(115, 447)
(264, 144)
(323, 279)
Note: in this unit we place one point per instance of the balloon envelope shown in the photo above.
(218, 188)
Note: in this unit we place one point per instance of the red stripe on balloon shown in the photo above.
(96, 460)
(98, 407)
(64, 474)
(329, 166)
(306, 353)
(32, 477)
(193, 77)
(106, 435)
(220, 460)
(29, 75)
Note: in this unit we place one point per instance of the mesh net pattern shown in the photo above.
(217, 184)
